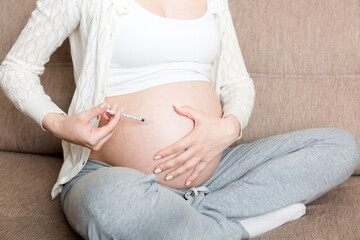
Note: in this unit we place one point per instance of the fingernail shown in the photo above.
(108, 106)
(188, 183)
(158, 170)
(169, 177)
(177, 106)
(122, 109)
(157, 157)
(103, 105)
(116, 106)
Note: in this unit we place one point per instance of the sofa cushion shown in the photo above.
(27, 211)
(333, 216)
(26, 208)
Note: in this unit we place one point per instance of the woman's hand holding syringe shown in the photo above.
(77, 129)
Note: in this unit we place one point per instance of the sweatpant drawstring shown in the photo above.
(191, 194)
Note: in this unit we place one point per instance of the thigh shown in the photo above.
(90, 166)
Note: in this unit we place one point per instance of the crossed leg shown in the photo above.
(252, 179)
(274, 172)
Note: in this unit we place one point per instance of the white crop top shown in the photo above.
(151, 50)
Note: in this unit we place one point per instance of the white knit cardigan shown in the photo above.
(88, 24)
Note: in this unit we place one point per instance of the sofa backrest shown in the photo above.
(304, 58)
(302, 55)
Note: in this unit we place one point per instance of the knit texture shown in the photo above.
(88, 24)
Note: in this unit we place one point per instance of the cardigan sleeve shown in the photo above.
(50, 24)
(237, 93)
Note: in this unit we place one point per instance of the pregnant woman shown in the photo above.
(177, 64)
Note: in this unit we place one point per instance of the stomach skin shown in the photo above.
(135, 143)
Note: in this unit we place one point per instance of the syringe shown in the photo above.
(113, 112)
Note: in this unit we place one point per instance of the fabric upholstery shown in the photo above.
(304, 59)
(26, 208)
(334, 216)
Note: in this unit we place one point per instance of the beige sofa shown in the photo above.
(304, 58)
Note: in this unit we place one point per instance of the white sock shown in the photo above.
(263, 223)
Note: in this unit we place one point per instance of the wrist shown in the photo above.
(52, 122)
(236, 126)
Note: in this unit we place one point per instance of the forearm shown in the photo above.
(25, 62)
(237, 92)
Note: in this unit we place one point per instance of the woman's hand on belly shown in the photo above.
(209, 138)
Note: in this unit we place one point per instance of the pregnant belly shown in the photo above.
(135, 143)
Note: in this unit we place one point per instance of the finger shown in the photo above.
(188, 165)
(173, 162)
(112, 110)
(103, 141)
(96, 111)
(185, 111)
(174, 148)
(197, 170)
(189, 112)
(113, 107)
(112, 123)
(105, 130)
(105, 115)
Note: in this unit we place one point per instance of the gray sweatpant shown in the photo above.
(107, 202)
